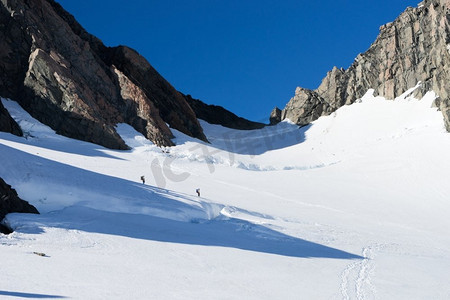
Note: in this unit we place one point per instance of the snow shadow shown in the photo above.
(34, 132)
(50, 186)
(219, 232)
(251, 142)
(61, 144)
(74, 198)
(230, 233)
(29, 295)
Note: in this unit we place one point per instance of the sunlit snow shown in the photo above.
(353, 206)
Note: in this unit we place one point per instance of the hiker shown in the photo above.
(198, 192)
(143, 179)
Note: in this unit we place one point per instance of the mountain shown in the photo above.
(69, 80)
(353, 206)
(410, 50)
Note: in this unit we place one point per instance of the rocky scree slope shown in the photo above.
(414, 48)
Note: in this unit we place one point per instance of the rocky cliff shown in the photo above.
(10, 202)
(67, 79)
(7, 123)
(414, 48)
(214, 114)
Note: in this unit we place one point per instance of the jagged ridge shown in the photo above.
(67, 79)
(214, 114)
(414, 48)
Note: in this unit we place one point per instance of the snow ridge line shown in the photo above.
(357, 275)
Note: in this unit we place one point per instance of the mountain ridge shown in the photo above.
(411, 49)
(68, 79)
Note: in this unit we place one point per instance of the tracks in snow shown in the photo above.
(356, 278)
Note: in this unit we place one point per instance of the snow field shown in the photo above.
(353, 206)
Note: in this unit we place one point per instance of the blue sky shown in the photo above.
(247, 56)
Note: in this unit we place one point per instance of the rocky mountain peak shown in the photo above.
(67, 79)
(413, 48)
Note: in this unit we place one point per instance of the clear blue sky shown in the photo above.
(247, 56)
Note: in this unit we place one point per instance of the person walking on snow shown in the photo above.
(198, 192)
(143, 179)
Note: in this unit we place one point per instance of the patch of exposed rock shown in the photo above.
(214, 114)
(275, 116)
(171, 104)
(10, 202)
(67, 79)
(7, 123)
(305, 107)
(413, 48)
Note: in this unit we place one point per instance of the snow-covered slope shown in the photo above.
(353, 206)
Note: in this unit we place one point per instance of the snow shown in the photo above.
(352, 206)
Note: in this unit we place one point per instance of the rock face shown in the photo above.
(7, 124)
(414, 48)
(10, 202)
(214, 114)
(305, 107)
(67, 79)
(275, 116)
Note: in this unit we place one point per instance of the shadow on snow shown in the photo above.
(61, 143)
(219, 232)
(29, 295)
(253, 142)
(109, 205)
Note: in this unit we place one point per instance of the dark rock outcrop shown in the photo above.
(275, 116)
(414, 48)
(7, 123)
(214, 114)
(170, 103)
(67, 79)
(10, 202)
